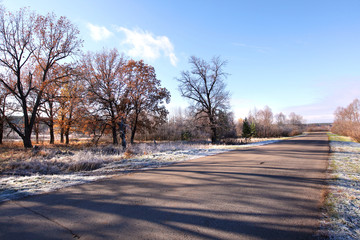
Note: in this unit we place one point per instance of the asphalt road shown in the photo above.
(265, 192)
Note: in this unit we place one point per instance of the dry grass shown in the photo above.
(8, 155)
(57, 158)
(82, 156)
(341, 205)
(84, 166)
(51, 168)
(129, 154)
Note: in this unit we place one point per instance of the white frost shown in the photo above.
(14, 187)
(342, 221)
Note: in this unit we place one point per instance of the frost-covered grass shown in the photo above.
(342, 218)
(48, 169)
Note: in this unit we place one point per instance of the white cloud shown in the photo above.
(146, 45)
(98, 33)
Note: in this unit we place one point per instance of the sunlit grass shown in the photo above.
(330, 206)
(335, 137)
(342, 204)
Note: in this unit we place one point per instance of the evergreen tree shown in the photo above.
(252, 129)
(246, 131)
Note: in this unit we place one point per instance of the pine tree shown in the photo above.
(252, 129)
(246, 132)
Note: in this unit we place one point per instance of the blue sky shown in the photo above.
(301, 56)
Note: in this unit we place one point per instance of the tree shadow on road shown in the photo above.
(253, 194)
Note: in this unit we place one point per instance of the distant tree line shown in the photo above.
(347, 120)
(184, 125)
(263, 123)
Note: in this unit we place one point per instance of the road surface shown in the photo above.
(264, 192)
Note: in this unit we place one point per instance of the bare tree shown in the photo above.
(280, 119)
(295, 119)
(204, 86)
(29, 41)
(264, 122)
(281, 128)
(347, 120)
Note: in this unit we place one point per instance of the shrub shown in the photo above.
(295, 132)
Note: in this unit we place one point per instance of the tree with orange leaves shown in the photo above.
(28, 40)
(70, 107)
(146, 97)
(107, 89)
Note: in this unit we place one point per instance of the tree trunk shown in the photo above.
(62, 135)
(27, 140)
(213, 129)
(28, 125)
(67, 140)
(36, 130)
(51, 122)
(37, 137)
(123, 141)
(52, 136)
(122, 128)
(1, 130)
(62, 128)
(213, 135)
(114, 133)
(133, 130)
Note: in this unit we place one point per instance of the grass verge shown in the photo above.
(341, 219)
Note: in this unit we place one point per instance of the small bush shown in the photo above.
(295, 132)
